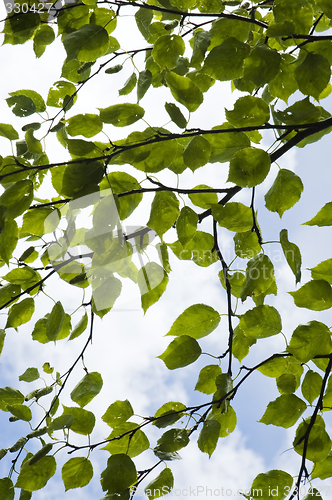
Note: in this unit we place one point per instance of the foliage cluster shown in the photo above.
(270, 52)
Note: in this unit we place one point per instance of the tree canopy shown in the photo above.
(68, 222)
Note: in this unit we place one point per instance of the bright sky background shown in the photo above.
(126, 343)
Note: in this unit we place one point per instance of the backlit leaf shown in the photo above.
(197, 321)
(284, 192)
(323, 217)
(292, 254)
(121, 115)
(284, 411)
(87, 388)
(182, 351)
(249, 167)
(76, 473)
(161, 485)
(208, 437)
(276, 481)
(310, 340)
(34, 477)
(119, 474)
(315, 295)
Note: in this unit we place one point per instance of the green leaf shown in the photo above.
(300, 112)
(259, 276)
(241, 344)
(206, 379)
(143, 83)
(17, 198)
(2, 339)
(87, 125)
(129, 85)
(8, 293)
(119, 474)
(262, 65)
(284, 192)
(87, 388)
(310, 340)
(63, 422)
(261, 322)
(87, 43)
(322, 469)
(80, 327)
(299, 12)
(38, 222)
(196, 321)
(6, 489)
(184, 90)
(197, 152)
(313, 74)
(246, 244)
(319, 443)
(315, 295)
(121, 115)
(58, 92)
(8, 240)
(233, 216)
(225, 145)
(164, 212)
(284, 411)
(292, 254)
(186, 225)
(20, 313)
(226, 419)
(225, 62)
(168, 414)
(10, 396)
(55, 321)
(274, 482)
(152, 281)
(323, 271)
(121, 182)
(224, 385)
(29, 375)
(132, 443)
(8, 131)
(284, 84)
(23, 105)
(167, 50)
(249, 167)
(208, 437)
(82, 421)
(76, 473)
(224, 28)
(78, 177)
(117, 413)
(114, 69)
(323, 217)
(311, 386)
(34, 477)
(248, 111)
(104, 297)
(200, 45)
(21, 412)
(203, 200)
(171, 441)
(161, 485)
(175, 114)
(182, 351)
(236, 281)
(143, 18)
(286, 383)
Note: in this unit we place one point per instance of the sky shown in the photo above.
(126, 343)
